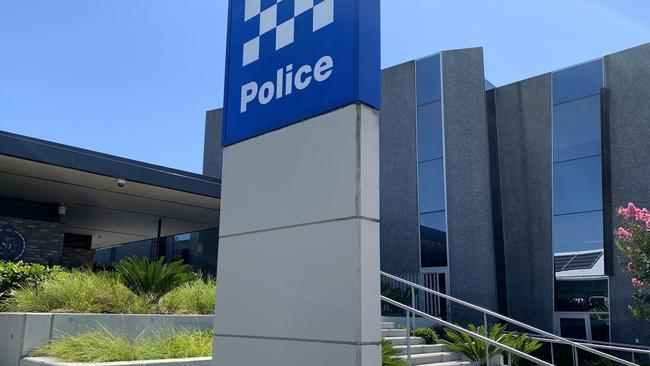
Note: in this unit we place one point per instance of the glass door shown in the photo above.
(573, 325)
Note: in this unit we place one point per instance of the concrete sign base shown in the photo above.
(298, 273)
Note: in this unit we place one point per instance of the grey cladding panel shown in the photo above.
(628, 79)
(212, 148)
(470, 232)
(400, 237)
(524, 132)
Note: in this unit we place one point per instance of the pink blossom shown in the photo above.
(631, 210)
(623, 234)
(631, 267)
(642, 215)
(637, 284)
(622, 211)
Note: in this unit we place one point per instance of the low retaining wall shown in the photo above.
(203, 361)
(21, 333)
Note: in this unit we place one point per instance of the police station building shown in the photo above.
(501, 196)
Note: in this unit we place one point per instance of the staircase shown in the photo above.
(421, 353)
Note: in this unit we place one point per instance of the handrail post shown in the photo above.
(552, 354)
(575, 356)
(487, 347)
(509, 359)
(633, 358)
(413, 304)
(408, 337)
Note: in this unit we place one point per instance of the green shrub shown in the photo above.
(108, 346)
(15, 275)
(197, 297)
(429, 334)
(153, 279)
(523, 343)
(77, 292)
(475, 349)
(389, 355)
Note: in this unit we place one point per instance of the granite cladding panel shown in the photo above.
(467, 168)
(628, 79)
(524, 133)
(400, 234)
(212, 148)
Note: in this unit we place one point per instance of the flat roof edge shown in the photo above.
(65, 156)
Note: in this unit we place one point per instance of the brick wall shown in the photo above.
(44, 239)
(78, 257)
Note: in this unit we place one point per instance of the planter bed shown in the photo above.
(39, 361)
(20, 333)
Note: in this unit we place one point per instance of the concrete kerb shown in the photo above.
(20, 333)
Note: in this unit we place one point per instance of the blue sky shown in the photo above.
(134, 77)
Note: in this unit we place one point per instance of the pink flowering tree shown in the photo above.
(633, 239)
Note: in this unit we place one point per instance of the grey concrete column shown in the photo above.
(298, 272)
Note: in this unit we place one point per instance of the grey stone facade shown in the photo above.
(524, 134)
(400, 226)
(628, 80)
(467, 168)
(44, 240)
(525, 178)
(213, 150)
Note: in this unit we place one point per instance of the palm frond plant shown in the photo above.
(429, 335)
(475, 349)
(523, 343)
(389, 355)
(153, 279)
(397, 294)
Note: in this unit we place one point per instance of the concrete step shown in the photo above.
(393, 333)
(452, 363)
(422, 348)
(401, 341)
(429, 358)
(387, 325)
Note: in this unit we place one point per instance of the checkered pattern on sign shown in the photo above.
(323, 14)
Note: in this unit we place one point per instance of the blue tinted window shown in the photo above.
(576, 129)
(429, 131)
(578, 232)
(577, 186)
(428, 79)
(434, 220)
(431, 184)
(433, 239)
(577, 82)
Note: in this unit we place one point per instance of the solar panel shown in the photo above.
(576, 261)
(561, 261)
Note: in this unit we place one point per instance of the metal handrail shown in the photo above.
(603, 345)
(612, 347)
(469, 333)
(486, 312)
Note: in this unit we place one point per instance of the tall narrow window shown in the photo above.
(431, 171)
(581, 293)
(577, 171)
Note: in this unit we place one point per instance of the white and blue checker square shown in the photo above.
(280, 16)
(289, 60)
